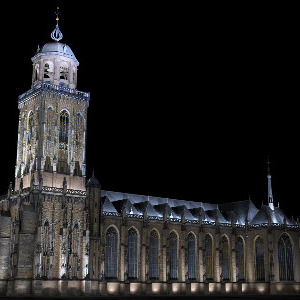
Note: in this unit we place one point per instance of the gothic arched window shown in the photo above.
(259, 260)
(224, 258)
(285, 259)
(111, 253)
(30, 130)
(240, 259)
(208, 258)
(191, 256)
(173, 255)
(153, 255)
(132, 254)
(64, 130)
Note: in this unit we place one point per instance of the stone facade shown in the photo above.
(61, 235)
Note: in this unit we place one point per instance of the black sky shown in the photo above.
(186, 101)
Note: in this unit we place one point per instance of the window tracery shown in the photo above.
(285, 258)
(259, 260)
(191, 256)
(153, 255)
(111, 253)
(132, 254)
(173, 255)
(240, 259)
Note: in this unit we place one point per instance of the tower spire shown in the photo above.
(56, 34)
(270, 194)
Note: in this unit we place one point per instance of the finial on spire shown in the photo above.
(268, 163)
(270, 194)
(56, 34)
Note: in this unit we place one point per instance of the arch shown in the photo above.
(240, 258)
(208, 257)
(285, 258)
(259, 259)
(64, 124)
(132, 253)
(63, 71)
(111, 252)
(30, 125)
(224, 258)
(48, 70)
(154, 239)
(173, 258)
(49, 132)
(64, 129)
(191, 248)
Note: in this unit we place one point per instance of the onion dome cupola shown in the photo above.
(55, 62)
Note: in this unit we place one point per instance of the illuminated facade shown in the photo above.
(61, 235)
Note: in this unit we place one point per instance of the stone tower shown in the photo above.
(52, 121)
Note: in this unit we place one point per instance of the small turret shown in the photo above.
(94, 193)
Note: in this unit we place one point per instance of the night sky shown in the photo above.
(186, 102)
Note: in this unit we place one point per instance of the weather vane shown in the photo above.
(56, 34)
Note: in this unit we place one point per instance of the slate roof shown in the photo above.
(239, 211)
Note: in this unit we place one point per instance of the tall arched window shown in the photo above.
(132, 254)
(63, 142)
(240, 259)
(111, 253)
(285, 259)
(64, 130)
(173, 255)
(30, 130)
(224, 258)
(259, 260)
(153, 255)
(208, 258)
(49, 133)
(191, 256)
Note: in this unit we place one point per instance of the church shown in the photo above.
(61, 234)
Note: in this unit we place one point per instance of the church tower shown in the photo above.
(52, 121)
